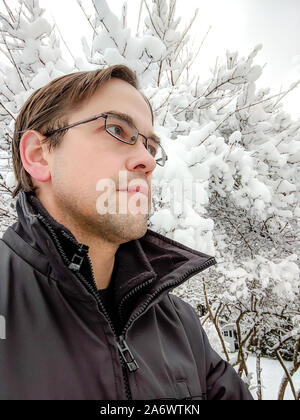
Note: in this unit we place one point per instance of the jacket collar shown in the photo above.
(154, 259)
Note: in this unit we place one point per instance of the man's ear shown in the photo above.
(34, 155)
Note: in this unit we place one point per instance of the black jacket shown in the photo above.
(61, 342)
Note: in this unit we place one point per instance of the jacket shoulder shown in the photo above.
(13, 247)
(15, 273)
(193, 329)
(186, 313)
(222, 381)
(181, 305)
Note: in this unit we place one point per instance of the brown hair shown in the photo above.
(47, 108)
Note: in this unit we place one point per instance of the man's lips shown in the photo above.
(136, 189)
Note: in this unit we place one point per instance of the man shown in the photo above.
(85, 291)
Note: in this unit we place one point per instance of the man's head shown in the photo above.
(64, 169)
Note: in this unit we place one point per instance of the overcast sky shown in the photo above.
(237, 25)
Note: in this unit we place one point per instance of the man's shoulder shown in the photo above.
(4, 247)
(182, 305)
(16, 263)
(186, 313)
(10, 261)
(8, 249)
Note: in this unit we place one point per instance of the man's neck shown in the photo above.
(103, 261)
(101, 251)
(102, 256)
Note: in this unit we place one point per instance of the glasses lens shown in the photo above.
(121, 129)
(124, 131)
(156, 151)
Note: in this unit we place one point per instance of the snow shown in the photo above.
(10, 180)
(254, 73)
(35, 29)
(164, 220)
(154, 47)
(103, 41)
(185, 236)
(235, 137)
(40, 79)
(111, 55)
(272, 374)
(29, 55)
(102, 9)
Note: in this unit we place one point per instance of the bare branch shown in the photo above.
(233, 112)
(288, 378)
(14, 63)
(213, 319)
(139, 18)
(202, 42)
(11, 15)
(4, 18)
(7, 111)
(150, 17)
(66, 45)
(87, 17)
(185, 33)
(6, 188)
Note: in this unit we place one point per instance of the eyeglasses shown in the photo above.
(123, 130)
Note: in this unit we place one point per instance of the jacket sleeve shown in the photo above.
(222, 381)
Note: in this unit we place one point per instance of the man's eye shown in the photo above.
(116, 130)
(152, 150)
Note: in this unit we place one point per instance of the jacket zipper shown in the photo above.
(75, 266)
(125, 354)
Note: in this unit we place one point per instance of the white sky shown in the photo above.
(237, 25)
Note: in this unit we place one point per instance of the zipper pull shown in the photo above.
(130, 361)
(76, 262)
(83, 249)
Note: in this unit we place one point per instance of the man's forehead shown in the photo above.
(121, 95)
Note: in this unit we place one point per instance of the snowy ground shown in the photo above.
(272, 374)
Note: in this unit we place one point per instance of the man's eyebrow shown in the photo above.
(128, 118)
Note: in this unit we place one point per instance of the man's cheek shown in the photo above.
(106, 202)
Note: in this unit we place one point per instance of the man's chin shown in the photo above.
(138, 226)
(121, 228)
(135, 228)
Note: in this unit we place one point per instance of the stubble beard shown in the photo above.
(85, 222)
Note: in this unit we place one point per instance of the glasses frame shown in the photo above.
(105, 116)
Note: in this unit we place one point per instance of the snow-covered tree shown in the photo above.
(231, 186)
(31, 57)
(113, 43)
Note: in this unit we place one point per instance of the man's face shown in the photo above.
(88, 156)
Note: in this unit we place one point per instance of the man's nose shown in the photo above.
(140, 158)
